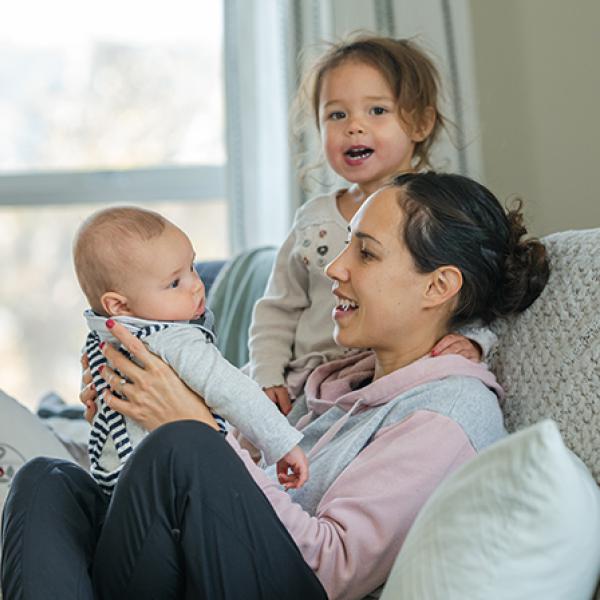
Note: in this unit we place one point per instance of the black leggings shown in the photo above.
(186, 521)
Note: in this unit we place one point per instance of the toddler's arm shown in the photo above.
(225, 389)
(276, 316)
(280, 396)
(473, 342)
(481, 335)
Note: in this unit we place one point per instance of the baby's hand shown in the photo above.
(281, 397)
(296, 462)
(458, 344)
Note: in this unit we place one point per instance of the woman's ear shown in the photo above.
(115, 304)
(425, 125)
(444, 284)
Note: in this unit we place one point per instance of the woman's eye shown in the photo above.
(365, 255)
(378, 110)
(336, 115)
(192, 268)
(174, 283)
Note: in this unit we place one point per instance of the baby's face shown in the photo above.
(163, 284)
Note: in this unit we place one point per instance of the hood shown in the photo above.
(340, 382)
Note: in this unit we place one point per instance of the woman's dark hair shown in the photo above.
(453, 220)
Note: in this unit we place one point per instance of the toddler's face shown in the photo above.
(363, 138)
(163, 284)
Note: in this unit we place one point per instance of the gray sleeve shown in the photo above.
(476, 410)
(480, 334)
(226, 390)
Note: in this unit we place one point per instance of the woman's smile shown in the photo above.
(344, 308)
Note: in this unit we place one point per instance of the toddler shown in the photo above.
(375, 105)
(138, 268)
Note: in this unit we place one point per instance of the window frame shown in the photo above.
(152, 184)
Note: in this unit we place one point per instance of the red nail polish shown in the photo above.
(110, 323)
(102, 344)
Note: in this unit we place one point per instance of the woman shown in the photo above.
(382, 429)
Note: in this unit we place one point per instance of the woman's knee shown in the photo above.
(44, 482)
(37, 471)
(179, 447)
(43, 474)
(183, 437)
(39, 465)
(52, 517)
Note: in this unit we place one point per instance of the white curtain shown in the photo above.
(262, 41)
(258, 178)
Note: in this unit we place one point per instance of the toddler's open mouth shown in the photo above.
(358, 153)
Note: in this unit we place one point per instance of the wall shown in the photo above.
(538, 84)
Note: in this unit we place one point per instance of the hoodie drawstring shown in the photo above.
(333, 430)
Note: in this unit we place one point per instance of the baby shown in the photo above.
(136, 267)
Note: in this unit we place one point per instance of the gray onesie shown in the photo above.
(188, 349)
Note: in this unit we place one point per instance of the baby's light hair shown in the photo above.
(102, 247)
(407, 69)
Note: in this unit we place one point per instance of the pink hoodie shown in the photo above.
(363, 517)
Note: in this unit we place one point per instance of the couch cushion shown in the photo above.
(208, 270)
(521, 520)
(547, 358)
(239, 285)
(22, 436)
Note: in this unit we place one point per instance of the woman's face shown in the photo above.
(381, 296)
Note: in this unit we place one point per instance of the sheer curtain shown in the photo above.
(256, 115)
(263, 39)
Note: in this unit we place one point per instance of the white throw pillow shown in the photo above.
(22, 436)
(521, 520)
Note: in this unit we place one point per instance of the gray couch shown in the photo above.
(547, 358)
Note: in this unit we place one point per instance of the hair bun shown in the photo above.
(526, 267)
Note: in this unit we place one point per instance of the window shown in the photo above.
(113, 102)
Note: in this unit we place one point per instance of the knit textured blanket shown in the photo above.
(547, 358)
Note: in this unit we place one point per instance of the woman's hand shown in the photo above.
(154, 394)
(87, 395)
